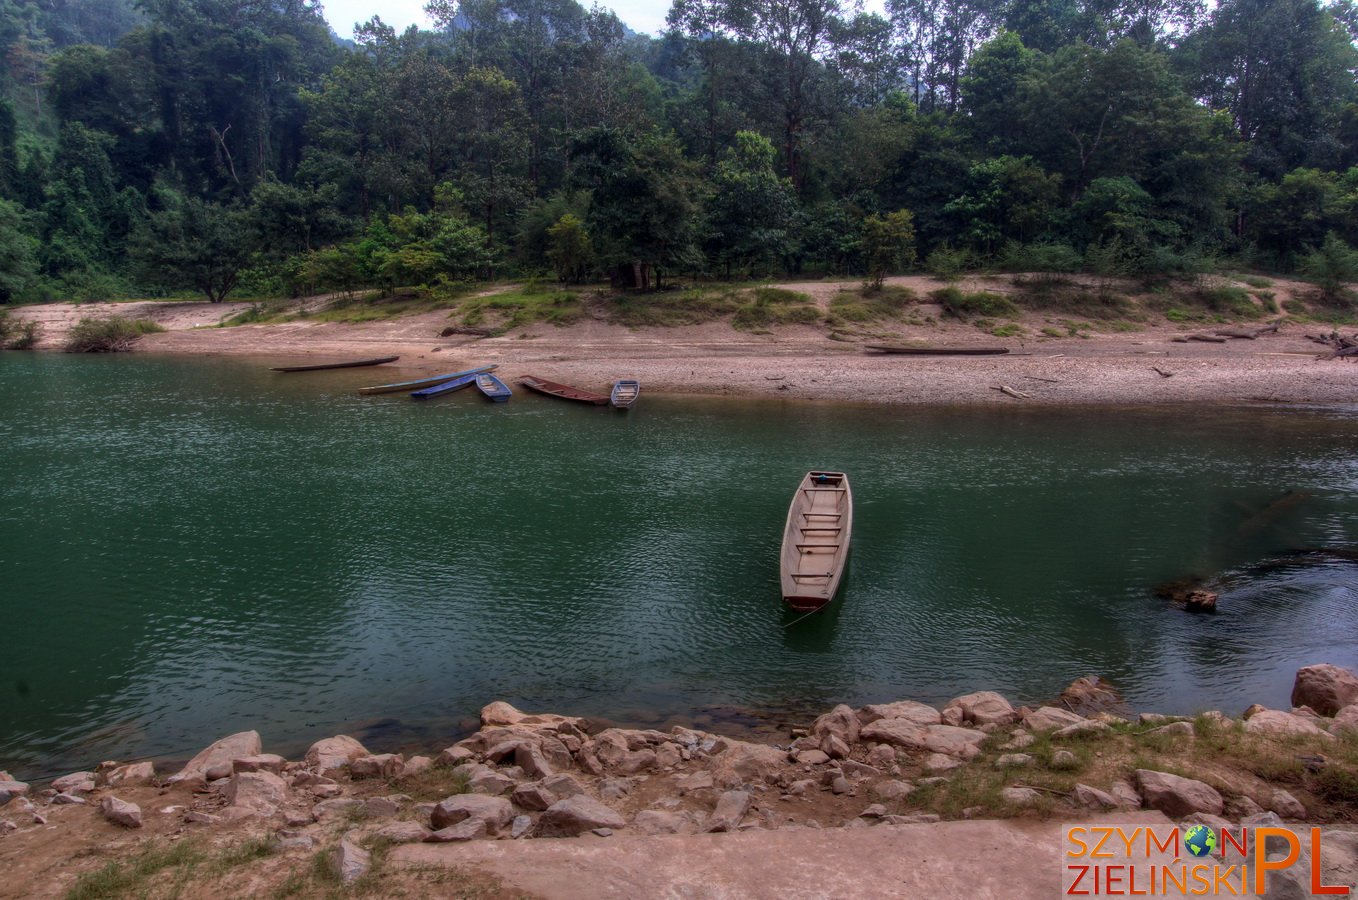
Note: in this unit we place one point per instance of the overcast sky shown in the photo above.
(646, 16)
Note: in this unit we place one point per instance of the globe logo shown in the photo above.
(1200, 840)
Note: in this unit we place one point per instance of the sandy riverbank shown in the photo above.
(1102, 365)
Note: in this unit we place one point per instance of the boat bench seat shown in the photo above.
(807, 548)
(803, 577)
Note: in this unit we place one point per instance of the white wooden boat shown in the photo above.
(625, 393)
(816, 540)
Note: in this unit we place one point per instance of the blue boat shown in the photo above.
(493, 388)
(453, 384)
(625, 393)
(422, 382)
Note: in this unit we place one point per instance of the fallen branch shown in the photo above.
(1006, 389)
(1033, 787)
(1161, 372)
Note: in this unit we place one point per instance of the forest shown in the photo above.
(239, 148)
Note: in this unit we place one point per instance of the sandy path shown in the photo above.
(792, 362)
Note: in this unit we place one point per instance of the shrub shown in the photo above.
(108, 335)
(27, 335)
(948, 264)
(1330, 266)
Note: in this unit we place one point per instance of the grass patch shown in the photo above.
(863, 305)
(691, 306)
(108, 335)
(16, 335)
(433, 784)
(1101, 304)
(375, 307)
(1008, 329)
(963, 306)
(527, 304)
(130, 878)
(1254, 281)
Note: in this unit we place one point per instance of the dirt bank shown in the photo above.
(1055, 358)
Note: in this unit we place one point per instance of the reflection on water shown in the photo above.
(191, 548)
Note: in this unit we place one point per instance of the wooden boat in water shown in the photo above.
(907, 350)
(339, 365)
(447, 387)
(493, 388)
(564, 391)
(422, 382)
(625, 393)
(816, 540)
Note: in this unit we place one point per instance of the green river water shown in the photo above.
(192, 547)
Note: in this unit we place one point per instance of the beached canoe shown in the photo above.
(936, 351)
(339, 365)
(625, 393)
(493, 388)
(447, 387)
(816, 540)
(564, 391)
(422, 382)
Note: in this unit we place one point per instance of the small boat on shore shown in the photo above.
(339, 365)
(493, 388)
(908, 350)
(422, 382)
(447, 387)
(564, 391)
(625, 393)
(816, 540)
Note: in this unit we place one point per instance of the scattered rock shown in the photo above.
(403, 832)
(332, 754)
(881, 756)
(953, 741)
(637, 761)
(120, 812)
(466, 830)
(1079, 728)
(984, 708)
(418, 764)
(485, 780)
(260, 791)
(898, 732)
(1345, 720)
(263, 762)
(496, 811)
(833, 747)
(534, 796)
(742, 763)
(1064, 759)
(1201, 600)
(1050, 718)
(1283, 724)
(349, 861)
(65, 799)
(133, 773)
(333, 809)
(75, 783)
(890, 791)
(520, 826)
(562, 785)
(382, 765)
(908, 710)
(11, 789)
(915, 819)
(1092, 798)
(842, 722)
(811, 757)
(455, 755)
(6, 826)
(1020, 796)
(576, 815)
(1325, 688)
(698, 781)
(1089, 695)
(601, 832)
(840, 785)
(1018, 740)
(381, 807)
(1010, 760)
(1238, 808)
(731, 808)
(218, 759)
(1287, 806)
(196, 817)
(1177, 797)
(655, 821)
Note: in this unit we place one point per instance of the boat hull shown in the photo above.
(625, 393)
(816, 540)
(937, 351)
(493, 388)
(447, 387)
(358, 363)
(563, 391)
(422, 382)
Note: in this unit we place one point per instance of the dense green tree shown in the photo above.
(888, 245)
(752, 210)
(570, 249)
(18, 265)
(192, 242)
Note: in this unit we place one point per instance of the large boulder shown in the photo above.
(983, 708)
(963, 743)
(841, 722)
(576, 815)
(11, 789)
(218, 760)
(1345, 720)
(918, 713)
(132, 773)
(746, 763)
(381, 765)
(1177, 797)
(1089, 695)
(503, 714)
(495, 811)
(120, 812)
(658, 821)
(1284, 724)
(901, 733)
(731, 808)
(1325, 688)
(333, 753)
(75, 783)
(349, 861)
(1050, 718)
(261, 792)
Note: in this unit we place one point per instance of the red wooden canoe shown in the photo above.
(564, 391)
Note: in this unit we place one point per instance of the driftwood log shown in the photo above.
(1341, 347)
(1006, 389)
(1205, 338)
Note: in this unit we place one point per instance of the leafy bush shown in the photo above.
(108, 335)
(774, 306)
(27, 335)
(887, 302)
(948, 264)
(982, 303)
(1331, 266)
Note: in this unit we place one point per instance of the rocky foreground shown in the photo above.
(534, 777)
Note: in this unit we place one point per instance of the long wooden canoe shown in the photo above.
(564, 391)
(339, 365)
(493, 388)
(937, 351)
(453, 384)
(625, 393)
(816, 540)
(422, 382)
